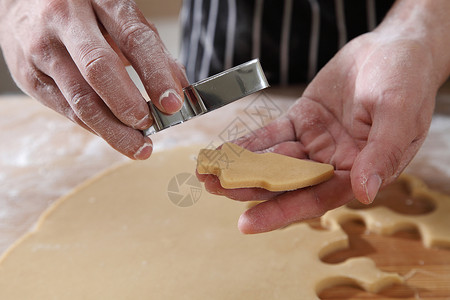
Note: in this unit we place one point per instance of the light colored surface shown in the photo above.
(43, 156)
(111, 239)
(237, 167)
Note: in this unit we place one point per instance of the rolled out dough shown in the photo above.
(119, 236)
(237, 167)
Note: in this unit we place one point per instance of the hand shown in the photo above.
(69, 55)
(367, 113)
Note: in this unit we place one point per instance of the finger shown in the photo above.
(116, 49)
(390, 146)
(276, 132)
(38, 85)
(46, 91)
(297, 205)
(289, 148)
(103, 70)
(93, 112)
(142, 46)
(322, 134)
(180, 72)
(201, 177)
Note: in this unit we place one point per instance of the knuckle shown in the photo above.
(39, 46)
(35, 80)
(135, 33)
(155, 71)
(43, 50)
(393, 159)
(87, 112)
(43, 44)
(95, 61)
(79, 98)
(119, 139)
(56, 10)
(120, 8)
(82, 100)
(81, 103)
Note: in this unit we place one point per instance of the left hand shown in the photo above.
(367, 113)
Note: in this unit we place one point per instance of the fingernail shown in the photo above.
(243, 224)
(170, 101)
(144, 123)
(145, 150)
(372, 186)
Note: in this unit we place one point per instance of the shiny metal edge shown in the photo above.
(212, 93)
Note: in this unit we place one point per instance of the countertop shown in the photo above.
(43, 155)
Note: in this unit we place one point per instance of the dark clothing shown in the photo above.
(292, 38)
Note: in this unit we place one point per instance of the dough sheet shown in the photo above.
(119, 236)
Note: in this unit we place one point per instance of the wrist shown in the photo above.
(426, 22)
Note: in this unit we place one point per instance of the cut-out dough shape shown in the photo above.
(237, 167)
(120, 237)
(434, 227)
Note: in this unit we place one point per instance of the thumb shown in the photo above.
(386, 154)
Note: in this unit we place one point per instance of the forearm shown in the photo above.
(427, 22)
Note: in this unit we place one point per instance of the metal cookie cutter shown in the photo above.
(212, 93)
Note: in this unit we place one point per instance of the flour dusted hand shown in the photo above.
(70, 56)
(367, 112)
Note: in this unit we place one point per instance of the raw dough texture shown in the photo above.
(120, 237)
(434, 227)
(237, 167)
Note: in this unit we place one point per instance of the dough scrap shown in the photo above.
(237, 167)
(118, 236)
(434, 227)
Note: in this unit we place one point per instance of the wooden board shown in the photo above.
(427, 271)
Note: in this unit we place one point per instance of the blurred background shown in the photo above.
(7, 85)
(163, 13)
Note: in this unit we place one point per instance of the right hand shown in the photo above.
(70, 56)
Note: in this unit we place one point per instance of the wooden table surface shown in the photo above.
(43, 156)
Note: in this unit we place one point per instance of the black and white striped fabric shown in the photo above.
(292, 38)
